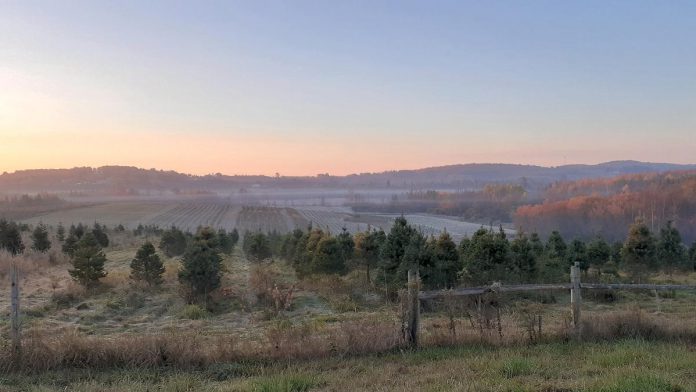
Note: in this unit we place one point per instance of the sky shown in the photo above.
(308, 87)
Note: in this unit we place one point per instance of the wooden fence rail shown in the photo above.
(575, 286)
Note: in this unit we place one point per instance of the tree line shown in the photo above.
(489, 255)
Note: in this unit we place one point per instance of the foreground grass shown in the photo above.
(628, 365)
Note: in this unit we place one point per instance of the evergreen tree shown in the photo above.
(99, 233)
(523, 258)
(328, 257)
(487, 258)
(368, 245)
(225, 242)
(88, 261)
(234, 237)
(554, 265)
(670, 250)
(258, 247)
(346, 244)
(639, 250)
(537, 245)
(419, 256)
(447, 261)
(393, 250)
(11, 237)
(201, 266)
(173, 242)
(39, 237)
(598, 253)
(147, 266)
(70, 245)
(60, 232)
(577, 253)
(77, 231)
(692, 255)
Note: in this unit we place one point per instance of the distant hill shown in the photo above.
(129, 180)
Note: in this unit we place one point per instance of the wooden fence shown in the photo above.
(575, 286)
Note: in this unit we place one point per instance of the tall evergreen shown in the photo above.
(201, 266)
(173, 242)
(39, 238)
(523, 258)
(147, 266)
(392, 254)
(598, 253)
(11, 237)
(88, 261)
(447, 261)
(671, 253)
(639, 251)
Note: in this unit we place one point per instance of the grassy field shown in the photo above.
(623, 366)
(339, 333)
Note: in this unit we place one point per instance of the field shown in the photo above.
(624, 366)
(189, 215)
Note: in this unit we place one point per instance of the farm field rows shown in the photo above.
(190, 215)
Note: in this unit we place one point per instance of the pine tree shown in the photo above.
(692, 255)
(99, 233)
(447, 261)
(258, 247)
(60, 232)
(201, 266)
(598, 253)
(554, 265)
(367, 246)
(147, 266)
(670, 250)
(88, 261)
(11, 237)
(487, 258)
(393, 250)
(70, 245)
(39, 237)
(173, 242)
(639, 250)
(577, 253)
(523, 257)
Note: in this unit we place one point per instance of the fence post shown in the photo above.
(575, 298)
(14, 331)
(413, 307)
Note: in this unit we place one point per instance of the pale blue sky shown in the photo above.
(306, 87)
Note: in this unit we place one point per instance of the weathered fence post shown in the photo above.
(14, 331)
(413, 308)
(575, 298)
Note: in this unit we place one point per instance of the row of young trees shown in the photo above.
(487, 256)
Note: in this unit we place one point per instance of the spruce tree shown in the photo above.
(598, 253)
(10, 237)
(639, 250)
(147, 266)
(447, 261)
(39, 237)
(671, 253)
(523, 258)
(173, 242)
(88, 261)
(60, 232)
(201, 266)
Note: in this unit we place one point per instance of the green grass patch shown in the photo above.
(193, 312)
(517, 367)
(641, 383)
(285, 383)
